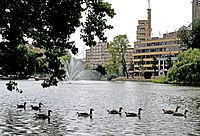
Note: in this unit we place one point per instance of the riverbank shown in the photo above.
(136, 78)
(15, 78)
(156, 79)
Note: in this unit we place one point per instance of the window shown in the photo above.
(142, 39)
(141, 34)
(141, 29)
(198, 2)
(141, 24)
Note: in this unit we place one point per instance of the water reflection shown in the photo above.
(68, 99)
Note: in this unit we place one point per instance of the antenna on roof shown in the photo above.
(149, 4)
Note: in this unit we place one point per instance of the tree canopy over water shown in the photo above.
(186, 69)
(49, 24)
(190, 34)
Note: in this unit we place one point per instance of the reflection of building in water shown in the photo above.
(195, 9)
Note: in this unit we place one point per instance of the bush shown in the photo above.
(147, 75)
(160, 79)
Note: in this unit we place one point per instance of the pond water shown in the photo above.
(66, 100)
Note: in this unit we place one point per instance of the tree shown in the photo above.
(87, 67)
(131, 68)
(190, 34)
(184, 34)
(141, 65)
(101, 70)
(196, 33)
(154, 65)
(26, 59)
(118, 50)
(186, 70)
(112, 67)
(50, 23)
(169, 61)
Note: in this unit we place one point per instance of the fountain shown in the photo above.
(75, 71)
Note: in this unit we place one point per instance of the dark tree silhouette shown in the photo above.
(50, 23)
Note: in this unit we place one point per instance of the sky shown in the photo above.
(167, 16)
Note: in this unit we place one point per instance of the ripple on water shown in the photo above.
(65, 100)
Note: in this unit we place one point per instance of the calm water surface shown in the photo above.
(67, 99)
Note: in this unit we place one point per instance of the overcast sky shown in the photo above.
(167, 16)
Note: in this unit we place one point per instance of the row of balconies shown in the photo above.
(156, 53)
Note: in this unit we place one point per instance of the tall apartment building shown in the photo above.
(144, 28)
(195, 9)
(147, 48)
(99, 55)
(159, 48)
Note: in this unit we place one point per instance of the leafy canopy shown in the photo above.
(186, 70)
(117, 49)
(190, 34)
(50, 23)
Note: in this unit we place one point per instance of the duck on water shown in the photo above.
(132, 114)
(171, 111)
(36, 107)
(85, 114)
(43, 115)
(116, 111)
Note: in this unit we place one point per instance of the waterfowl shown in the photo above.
(180, 114)
(132, 114)
(115, 111)
(43, 115)
(21, 105)
(85, 114)
(36, 107)
(171, 111)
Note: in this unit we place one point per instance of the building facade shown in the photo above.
(99, 55)
(160, 48)
(195, 9)
(144, 29)
(152, 53)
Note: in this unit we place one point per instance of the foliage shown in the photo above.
(169, 61)
(101, 70)
(154, 65)
(186, 70)
(147, 75)
(196, 33)
(131, 66)
(141, 65)
(118, 50)
(131, 69)
(160, 79)
(11, 85)
(87, 67)
(66, 57)
(22, 65)
(190, 34)
(49, 23)
(184, 33)
(112, 67)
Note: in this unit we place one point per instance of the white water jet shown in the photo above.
(75, 71)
